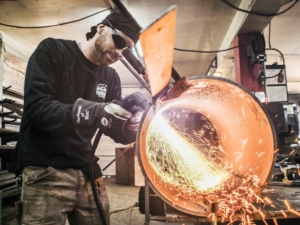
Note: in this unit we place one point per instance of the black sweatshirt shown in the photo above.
(57, 74)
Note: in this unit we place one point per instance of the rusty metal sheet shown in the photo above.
(278, 192)
(157, 42)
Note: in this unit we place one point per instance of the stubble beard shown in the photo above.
(100, 52)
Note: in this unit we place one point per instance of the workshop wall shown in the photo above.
(13, 76)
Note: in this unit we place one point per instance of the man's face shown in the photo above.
(106, 52)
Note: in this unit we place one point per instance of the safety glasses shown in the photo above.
(118, 40)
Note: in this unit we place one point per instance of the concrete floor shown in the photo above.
(123, 197)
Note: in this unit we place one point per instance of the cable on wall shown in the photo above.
(13, 68)
(257, 13)
(274, 49)
(216, 51)
(54, 25)
(1, 42)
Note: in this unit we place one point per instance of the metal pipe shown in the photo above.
(137, 76)
(242, 139)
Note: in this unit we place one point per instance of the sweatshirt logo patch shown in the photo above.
(104, 121)
(85, 115)
(101, 90)
(78, 114)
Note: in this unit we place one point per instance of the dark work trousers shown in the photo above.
(51, 196)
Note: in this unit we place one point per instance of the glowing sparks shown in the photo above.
(176, 161)
(262, 214)
(248, 219)
(237, 120)
(287, 204)
(179, 160)
(294, 212)
(244, 142)
(194, 164)
(283, 213)
(243, 145)
(243, 112)
(268, 200)
(213, 217)
(292, 152)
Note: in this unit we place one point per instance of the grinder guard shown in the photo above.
(245, 140)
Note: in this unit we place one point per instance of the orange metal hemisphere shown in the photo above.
(215, 143)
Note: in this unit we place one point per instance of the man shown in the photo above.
(70, 92)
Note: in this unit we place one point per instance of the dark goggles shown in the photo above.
(118, 40)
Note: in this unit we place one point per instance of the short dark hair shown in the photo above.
(118, 21)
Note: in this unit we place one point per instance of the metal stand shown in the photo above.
(188, 218)
(147, 204)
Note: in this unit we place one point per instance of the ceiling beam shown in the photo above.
(255, 23)
(247, 23)
(237, 22)
(15, 48)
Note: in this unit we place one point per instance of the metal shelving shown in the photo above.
(10, 190)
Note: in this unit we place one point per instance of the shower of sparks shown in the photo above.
(194, 166)
(287, 204)
(292, 152)
(180, 163)
(283, 213)
(243, 112)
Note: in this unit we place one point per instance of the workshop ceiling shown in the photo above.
(203, 25)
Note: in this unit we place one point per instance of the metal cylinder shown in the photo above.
(212, 144)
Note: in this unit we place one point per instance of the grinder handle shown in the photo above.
(134, 101)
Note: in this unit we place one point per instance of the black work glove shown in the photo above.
(128, 134)
(109, 117)
(133, 123)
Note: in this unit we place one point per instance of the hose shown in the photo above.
(99, 208)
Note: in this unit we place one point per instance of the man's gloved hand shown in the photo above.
(132, 124)
(128, 134)
(109, 117)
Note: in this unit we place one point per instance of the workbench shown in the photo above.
(277, 191)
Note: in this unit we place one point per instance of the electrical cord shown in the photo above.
(54, 25)
(129, 217)
(2, 45)
(257, 13)
(274, 49)
(13, 68)
(255, 78)
(124, 209)
(99, 208)
(198, 51)
(269, 38)
(1, 42)
(130, 208)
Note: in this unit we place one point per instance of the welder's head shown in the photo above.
(110, 37)
(117, 21)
